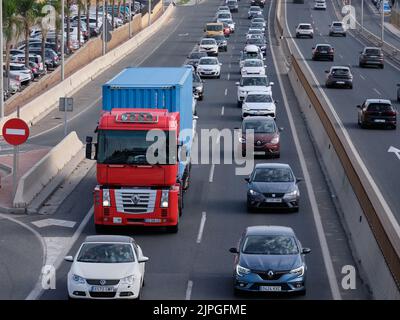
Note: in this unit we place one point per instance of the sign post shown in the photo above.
(15, 132)
(66, 105)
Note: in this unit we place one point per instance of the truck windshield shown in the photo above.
(131, 147)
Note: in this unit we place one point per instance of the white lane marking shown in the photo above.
(201, 228)
(230, 65)
(53, 247)
(211, 176)
(37, 292)
(222, 110)
(98, 75)
(362, 77)
(376, 90)
(330, 271)
(40, 239)
(226, 91)
(189, 290)
(229, 76)
(395, 151)
(54, 222)
(15, 132)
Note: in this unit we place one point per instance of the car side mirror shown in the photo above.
(326, 71)
(299, 180)
(306, 250)
(271, 83)
(69, 258)
(233, 250)
(143, 259)
(89, 149)
(247, 179)
(359, 107)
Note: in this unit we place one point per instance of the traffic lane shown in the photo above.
(227, 214)
(22, 260)
(368, 82)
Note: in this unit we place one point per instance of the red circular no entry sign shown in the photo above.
(15, 131)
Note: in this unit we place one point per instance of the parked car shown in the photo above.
(51, 58)
(15, 84)
(323, 51)
(259, 103)
(36, 58)
(38, 45)
(269, 259)
(337, 28)
(24, 74)
(371, 56)
(107, 267)
(252, 83)
(339, 76)
(273, 186)
(209, 67)
(266, 135)
(304, 30)
(377, 112)
(194, 57)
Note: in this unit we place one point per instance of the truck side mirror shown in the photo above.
(89, 149)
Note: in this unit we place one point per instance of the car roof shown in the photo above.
(269, 230)
(385, 101)
(252, 118)
(365, 48)
(254, 76)
(323, 44)
(304, 24)
(252, 59)
(109, 238)
(271, 165)
(340, 67)
(251, 47)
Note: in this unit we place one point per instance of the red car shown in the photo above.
(227, 30)
(266, 135)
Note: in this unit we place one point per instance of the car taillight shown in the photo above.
(391, 113)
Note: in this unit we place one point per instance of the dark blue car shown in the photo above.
(270, 259)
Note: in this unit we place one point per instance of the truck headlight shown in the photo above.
(128, 280)
(298, 271)
(241, 271)
(106, 198)
(78, 279)
(164, 199)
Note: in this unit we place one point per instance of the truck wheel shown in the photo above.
(173, 229)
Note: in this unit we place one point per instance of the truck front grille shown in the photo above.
(135, 201)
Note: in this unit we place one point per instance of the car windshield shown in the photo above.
(379, 107)
(106, 253)
(197, 55)
(255, 31)
(258, 20)
(208, 41)
(337, 24)
(131, 147)
(253, 63)
(256, 41)
(260, 126)
(323, 48)
(273, 175)
(208, 61)
(270, 244)
(257, 25)
(232, 3)
(17, 68)
(219, 38)
(373, 52)
(250, 55)
(340, 72)
(223, 8)
(259, 98)
(214, 27)
(256, 81)
(224, 16)
(304, 26)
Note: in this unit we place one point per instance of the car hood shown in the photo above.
(207, 66)
(272, 187)
(253, 69)
(255, 88)
(104, 270)
(264, 137)
(269, 262)
(259, 106)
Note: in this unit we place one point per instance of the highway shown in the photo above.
(373, 144)
(193, 264)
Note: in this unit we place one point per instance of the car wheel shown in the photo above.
(332, 59)
(363, 125)
(277, 156)
(302, 292)
(201, 98)
(382, 66)
(344, 35)
(239, 104)
(360, 65)
(249, 208)
(237, 292)
(312, 36)
(351, 86)
(297, 35)
(218, 76)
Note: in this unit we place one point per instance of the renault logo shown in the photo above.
(102, 282)
(273, 195)
(135, 199)
(258, 142)
(270, 273)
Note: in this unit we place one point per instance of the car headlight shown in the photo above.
(245, 107)
(275, 140)
(241, 271)
(164, 199)
(78, 279)
(253, 193)
(292, 194)
(106, 198)
(298, 271)
(199, 89)
(127, 280)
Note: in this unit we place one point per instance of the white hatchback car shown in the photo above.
(107, 267)
(259, 103)
(304, 30)
(320, 5)
(252, 83)
(209, 67)
(253, 66)
(209, 45)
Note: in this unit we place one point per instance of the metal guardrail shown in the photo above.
(388, 241)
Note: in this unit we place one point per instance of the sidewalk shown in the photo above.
(391, 28)
(26, 160)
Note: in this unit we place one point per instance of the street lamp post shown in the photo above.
(62, 40)
(362, 15)
(382, 22)
(149, 13)
(104, 27)
(1, 63)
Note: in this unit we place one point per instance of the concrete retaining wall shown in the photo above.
(40, 175)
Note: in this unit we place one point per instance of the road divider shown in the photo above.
(40, 176)
(373, 231)
(39, 107)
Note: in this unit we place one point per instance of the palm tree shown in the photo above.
(87, 17)
(12, 29)
(124, 5)
(28, 10)
(68, 14)
(80, 5)
(112, 13)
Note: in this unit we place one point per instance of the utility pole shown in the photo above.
(104, 27)
(382, 22)
(130, 19)
(149, 13)
(1, 63)
(362, 15)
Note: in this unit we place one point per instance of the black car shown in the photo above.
(272, 185)
(259, 42)
(51, 58)
(259, 3)
(323, 52)
(233, 5)
(371, 56)
(221, 41)
(377, 112)
(38, 45)
(339, 76)
(194, 57)
(198, 86)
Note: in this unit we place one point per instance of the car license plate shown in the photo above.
(270, 288)
(274, 200)
(324, 51)
(102, 289)
(379, 120)
(340, 82)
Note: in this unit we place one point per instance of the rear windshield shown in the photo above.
(214, 27)
(376, 52)
(337, 24)
(197, 55)
(224, 16)
(256, 25)
(255, 31)
(304, 26)
(249, 55)
(380, 107)
(340, 72)
(323, 48)
(255, 9)
(256, 41)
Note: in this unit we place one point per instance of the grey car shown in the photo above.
(337, 28)
(272, 186)
(221, 41)
(198, 86)
(371, 56)
(194, 57)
